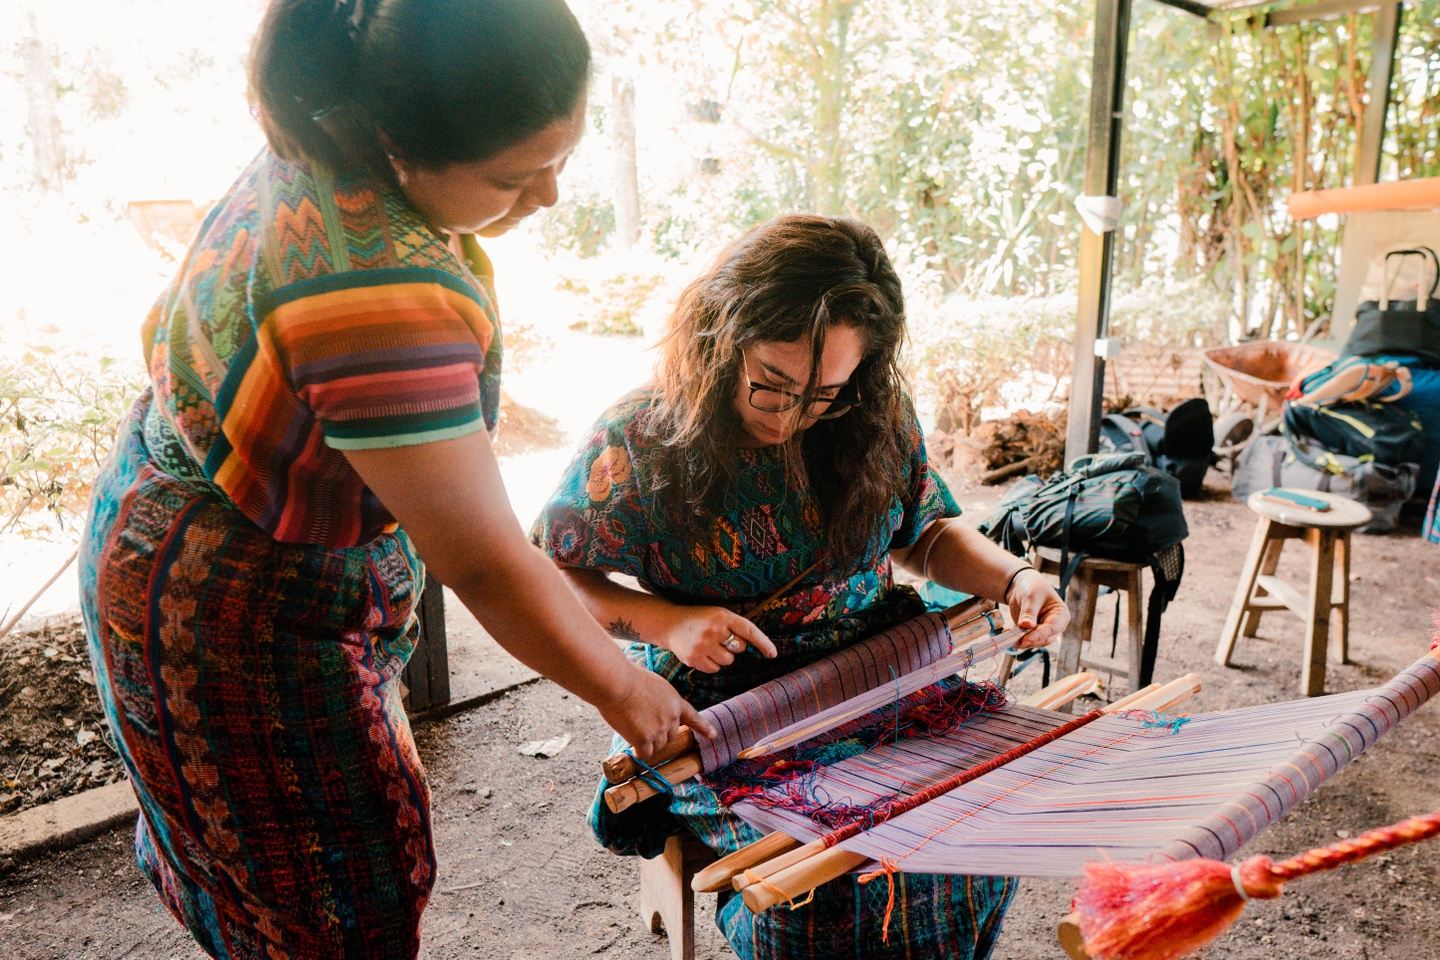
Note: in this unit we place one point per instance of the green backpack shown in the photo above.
(1105, 505)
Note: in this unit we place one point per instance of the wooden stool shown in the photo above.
(666, 901)
(1080, 596)
(1327, 534)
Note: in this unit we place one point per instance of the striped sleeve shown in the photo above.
(386, 358)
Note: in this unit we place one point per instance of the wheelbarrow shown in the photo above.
(1253, 379)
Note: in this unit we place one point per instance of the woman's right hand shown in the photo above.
(709, 638)
(648, 713)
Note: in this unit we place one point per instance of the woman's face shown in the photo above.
(491, 196)
(784, 368)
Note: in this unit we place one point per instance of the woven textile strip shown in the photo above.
(1116, 788)
(877, 661)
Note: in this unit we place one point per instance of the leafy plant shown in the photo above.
(58, 411)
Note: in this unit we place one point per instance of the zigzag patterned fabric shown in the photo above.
(313, 316)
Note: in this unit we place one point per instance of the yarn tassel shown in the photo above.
(1147, 912)
(888, 869)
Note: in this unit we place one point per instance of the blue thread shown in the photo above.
(650, 775)
(1155, 720)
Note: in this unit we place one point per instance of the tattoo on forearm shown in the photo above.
(625, 630)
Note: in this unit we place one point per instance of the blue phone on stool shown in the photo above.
(1299, 499)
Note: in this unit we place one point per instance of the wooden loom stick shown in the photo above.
(1062, 691)
(619, 767)
(632, 791)
(961, 618)
(827, 861)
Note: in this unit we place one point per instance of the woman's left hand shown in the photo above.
(1036, 607)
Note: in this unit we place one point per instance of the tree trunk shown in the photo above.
(43, 122)
(627, 177)
(827, 171)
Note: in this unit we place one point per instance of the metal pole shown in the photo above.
(1097, 251)
(1382, 70)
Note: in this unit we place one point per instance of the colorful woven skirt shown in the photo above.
(252, 688)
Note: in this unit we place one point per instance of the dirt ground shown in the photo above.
(53, 741)
(520, 877)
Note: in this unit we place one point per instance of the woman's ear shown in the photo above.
(399, 166)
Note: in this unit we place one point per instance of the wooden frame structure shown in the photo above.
(427, 674)
(1102, 158)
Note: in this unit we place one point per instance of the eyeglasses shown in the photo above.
(768, 399)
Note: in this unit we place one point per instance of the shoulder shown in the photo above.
(625, 420)
(318, 224)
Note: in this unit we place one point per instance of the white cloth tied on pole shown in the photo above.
(1101, 214)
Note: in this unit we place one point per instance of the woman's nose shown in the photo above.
(544, 190)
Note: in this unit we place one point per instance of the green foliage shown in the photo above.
(58, 411)
(959, 133)
(614, 304)
(582, 225)
(964, 351)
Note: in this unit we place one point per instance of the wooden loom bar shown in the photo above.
(966, 619)
(767, 888)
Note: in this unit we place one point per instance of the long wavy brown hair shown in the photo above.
(791, 279)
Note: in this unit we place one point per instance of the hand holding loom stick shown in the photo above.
(619, 767)
(828, 861)
(964, 622)
(719, 875)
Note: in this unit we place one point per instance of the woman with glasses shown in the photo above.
(777, 447)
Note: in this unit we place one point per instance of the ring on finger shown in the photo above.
(733, 643)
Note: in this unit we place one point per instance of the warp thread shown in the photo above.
(788, 780)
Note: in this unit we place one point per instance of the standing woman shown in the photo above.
(324, 369)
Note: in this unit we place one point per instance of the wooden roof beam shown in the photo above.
(1322, 10)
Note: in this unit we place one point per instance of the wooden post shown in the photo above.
(1097, 251)
(1382, 70)
(427, 675)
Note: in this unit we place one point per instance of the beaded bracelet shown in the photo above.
(1005, 594)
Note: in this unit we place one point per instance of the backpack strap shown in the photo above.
(1069, 564)
(1168, 567)
(1132, 432)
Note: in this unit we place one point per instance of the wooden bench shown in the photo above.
(666, 901)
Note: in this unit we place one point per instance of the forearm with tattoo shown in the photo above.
(624, 630)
